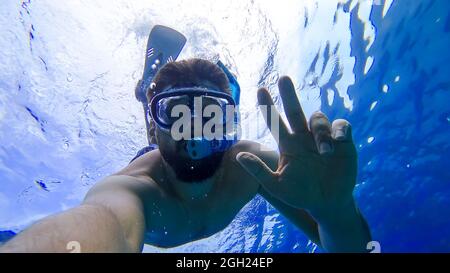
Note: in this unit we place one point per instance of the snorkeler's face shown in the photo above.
(175, 154)
(186, 168)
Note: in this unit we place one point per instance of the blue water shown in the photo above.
(68, 115)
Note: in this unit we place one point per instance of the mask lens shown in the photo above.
(220, 107)
(167, 105)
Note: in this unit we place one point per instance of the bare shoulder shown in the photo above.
(124, 183)
(145, 166)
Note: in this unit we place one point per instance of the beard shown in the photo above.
(187, 169)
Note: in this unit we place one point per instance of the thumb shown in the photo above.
(256, 167)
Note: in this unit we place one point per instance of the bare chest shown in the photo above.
(171, 222)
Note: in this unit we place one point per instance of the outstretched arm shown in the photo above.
(111, 219)
(316, 171)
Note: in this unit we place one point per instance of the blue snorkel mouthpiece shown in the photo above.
(200, 148)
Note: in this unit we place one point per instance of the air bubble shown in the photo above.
(373, 105)
(368, 66)
(65, 143)
(370, 139)
(386, 7)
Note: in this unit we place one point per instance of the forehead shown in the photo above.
(201, 83)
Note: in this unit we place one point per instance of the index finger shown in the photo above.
(273, 119)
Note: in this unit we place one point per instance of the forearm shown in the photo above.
(343, 230)
(94, 228)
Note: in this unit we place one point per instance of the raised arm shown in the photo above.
(110, 219)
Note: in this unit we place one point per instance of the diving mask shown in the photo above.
(196, 104)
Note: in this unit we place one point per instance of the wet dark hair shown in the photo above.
(186, 73)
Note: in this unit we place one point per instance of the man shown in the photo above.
(185, 190)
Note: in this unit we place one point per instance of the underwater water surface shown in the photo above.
(68, 116)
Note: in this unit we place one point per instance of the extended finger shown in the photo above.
(272, 117)
(291, 105)
(341, 132)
